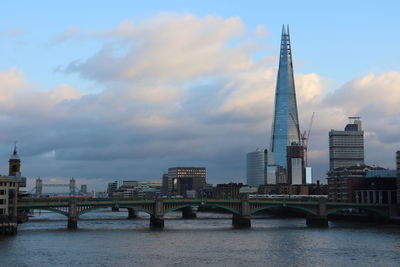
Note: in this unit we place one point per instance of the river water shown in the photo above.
(106, 238)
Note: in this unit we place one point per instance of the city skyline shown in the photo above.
(127, 91)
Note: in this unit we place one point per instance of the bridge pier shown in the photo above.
(321, 219)
(241, 222)
(157, 219)
(156, 222)
(8, 227)
(132, 214)
(72, 214)
(72, 223)
(115, 208)
(188, 213)
(315, 221)
(377, 219)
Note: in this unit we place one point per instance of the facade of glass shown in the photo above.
(346, 148)
(285, 126)
(255, 168)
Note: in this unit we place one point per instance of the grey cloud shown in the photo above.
(200, 107)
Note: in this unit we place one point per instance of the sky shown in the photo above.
(122, 90)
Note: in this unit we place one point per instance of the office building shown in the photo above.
(376, 190)
(256, 168)
(136, 189)
(342, 182)
(8, 196)
(227, 191)
(296, 171)
(187, 178)
(309, 175)
(276, 174)
(166, 184)
(346, 148)
(285, 125)
(114, 186)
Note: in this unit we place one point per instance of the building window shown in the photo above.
(2, 192)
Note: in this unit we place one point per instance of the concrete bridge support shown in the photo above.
(115, 208)
(8, 227)
(188, 213)
(157, 219)
(132, 214)
(72, 214)
(315, 221)
(242, 220)
(321, 219)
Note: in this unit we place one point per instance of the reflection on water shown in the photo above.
(106, 238)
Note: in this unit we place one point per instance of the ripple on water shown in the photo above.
(107, 238)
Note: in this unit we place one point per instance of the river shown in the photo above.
(106, 238)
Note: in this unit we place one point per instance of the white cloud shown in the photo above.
(179, 91)
(262, 31)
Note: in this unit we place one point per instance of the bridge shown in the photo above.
(316, 211)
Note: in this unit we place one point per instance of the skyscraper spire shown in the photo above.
(285, 126)
(15, 148)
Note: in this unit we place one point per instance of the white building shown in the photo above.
(8, 195)
(346, 148)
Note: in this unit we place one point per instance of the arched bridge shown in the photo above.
(316, 211)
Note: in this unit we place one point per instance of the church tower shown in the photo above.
(14, 164)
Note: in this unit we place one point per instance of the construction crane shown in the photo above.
(305, 137)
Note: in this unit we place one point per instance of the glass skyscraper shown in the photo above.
(285, 126)
(255, 163)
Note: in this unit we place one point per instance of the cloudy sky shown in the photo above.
(125, 89)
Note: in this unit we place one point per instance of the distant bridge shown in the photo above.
(316, 211)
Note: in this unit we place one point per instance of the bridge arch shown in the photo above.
(297, 208)
(138, 208)
(52, 210)
(369, 209)
(230, 209)
(122, 207)
(177, 208)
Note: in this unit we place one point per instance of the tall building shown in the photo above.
(166, 187)
(296, 172)
(187, 179)
(285, 125)
(255, 168)
(346, 148)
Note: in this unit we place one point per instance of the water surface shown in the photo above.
(106, 238)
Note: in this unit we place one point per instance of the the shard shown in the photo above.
(285, 126)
